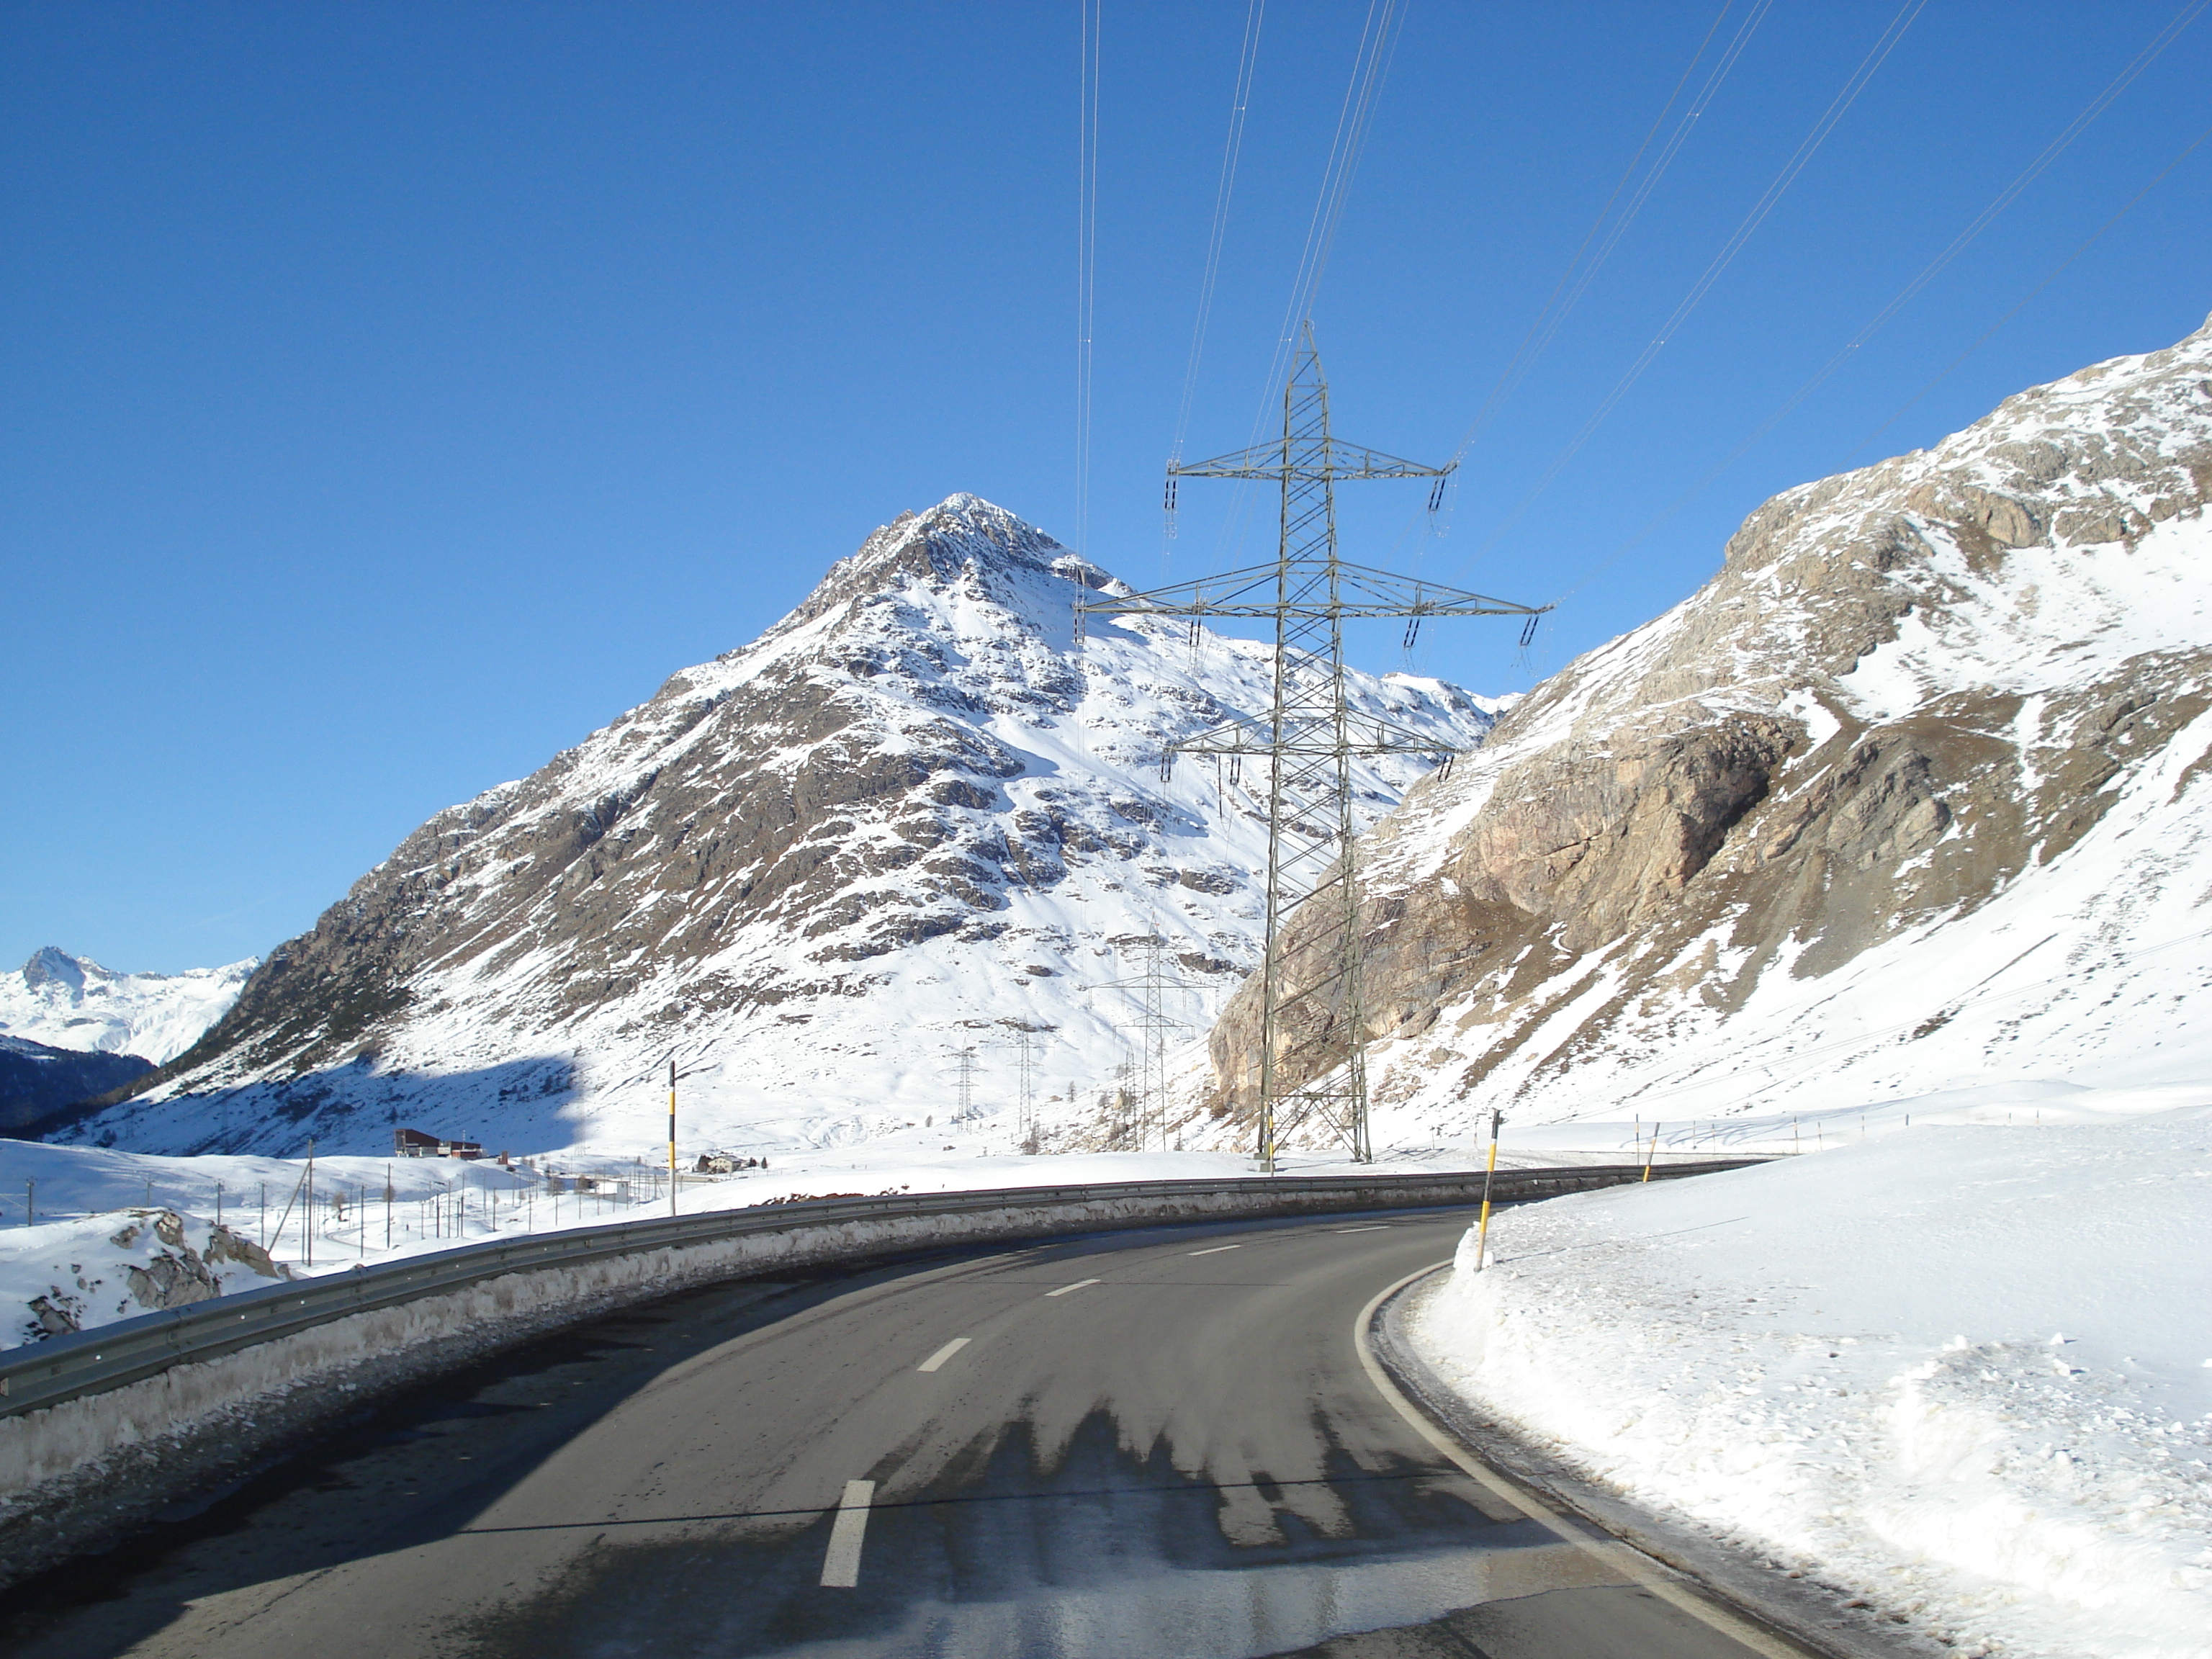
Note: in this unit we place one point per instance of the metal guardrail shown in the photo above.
(110, 1356)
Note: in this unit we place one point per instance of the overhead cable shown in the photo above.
(1086, 253)
(1232, 148)
(1371, 64)
(1582, 270)
(1980, 223)
(2056, 272)
(1751, 221)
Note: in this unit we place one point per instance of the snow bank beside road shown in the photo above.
(1965, 1372)
(93, 1270)
(90, 1191)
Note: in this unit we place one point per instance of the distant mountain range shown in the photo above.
(70, 1029)
(72, 1002)
(918, 815)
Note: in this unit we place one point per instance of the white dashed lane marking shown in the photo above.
(1077, 1286)
(1216, 1250)
(840, 1567)
(1378, 1227)
(943, 1354)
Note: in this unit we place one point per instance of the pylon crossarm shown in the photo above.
(1255, 592)
(1413, 597)
(1318, 460)
(1246, 592)
(1315, 735)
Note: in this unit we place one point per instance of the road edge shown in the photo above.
(1803, 1615)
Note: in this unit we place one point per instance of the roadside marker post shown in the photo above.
(1652, 1156)
(1489, 1174)
(671, 1138)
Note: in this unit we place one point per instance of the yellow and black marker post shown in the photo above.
(1489, 1174)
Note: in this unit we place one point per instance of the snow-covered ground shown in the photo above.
(85, 1195)
(72, 1002)
(1960, 1367)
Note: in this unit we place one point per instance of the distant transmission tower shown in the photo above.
(1025, 1097)
(1157, 1028)
(963, 1082)
(1309, 739)
(1025, 1117)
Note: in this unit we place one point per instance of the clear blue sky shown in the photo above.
(395, 392)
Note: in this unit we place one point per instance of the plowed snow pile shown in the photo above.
(1963, 1372)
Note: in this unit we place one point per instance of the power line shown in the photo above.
(1379, 44)
(1958, 245)
(1232, 149)
(964, 1084)
(1313, 1014)
(1564, 298)
(1153, 984)
(1086, 253)
(2057, 271)
(1371, 63)
(1837, 107)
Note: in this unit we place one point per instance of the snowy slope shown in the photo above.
(1911, 795)
(916, 816)
(1962, 1372)
(72, 1002)
(70, 1275)
(36, 1079)
(87, 1194)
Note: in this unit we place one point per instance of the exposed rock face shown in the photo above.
(157, 1258)
(913, 817)
(1929, 717)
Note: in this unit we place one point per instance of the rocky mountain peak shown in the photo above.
(916, 809)
(50, 966)
(963, 539)
(72, 1002)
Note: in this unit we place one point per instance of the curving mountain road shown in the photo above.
(1146, 1443)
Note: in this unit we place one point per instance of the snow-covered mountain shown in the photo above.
(1913, 794)
(917, 815)
(72, 1002)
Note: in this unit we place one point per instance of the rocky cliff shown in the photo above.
(916, 816)
(1911, 794)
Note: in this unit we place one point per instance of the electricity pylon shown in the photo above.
(1153, 984)
(964, 1084)
(1025, 1119)
(1309, 739)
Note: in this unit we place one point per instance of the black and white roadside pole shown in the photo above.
(1489, 1174)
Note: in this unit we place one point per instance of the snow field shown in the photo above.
(1962, 1371)
(86, 1195)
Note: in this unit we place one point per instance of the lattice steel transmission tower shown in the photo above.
(964, 1084)
(1308, 740)
(1158, 1031)
(1024, 1045)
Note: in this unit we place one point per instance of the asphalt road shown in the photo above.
(1162, 1444)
